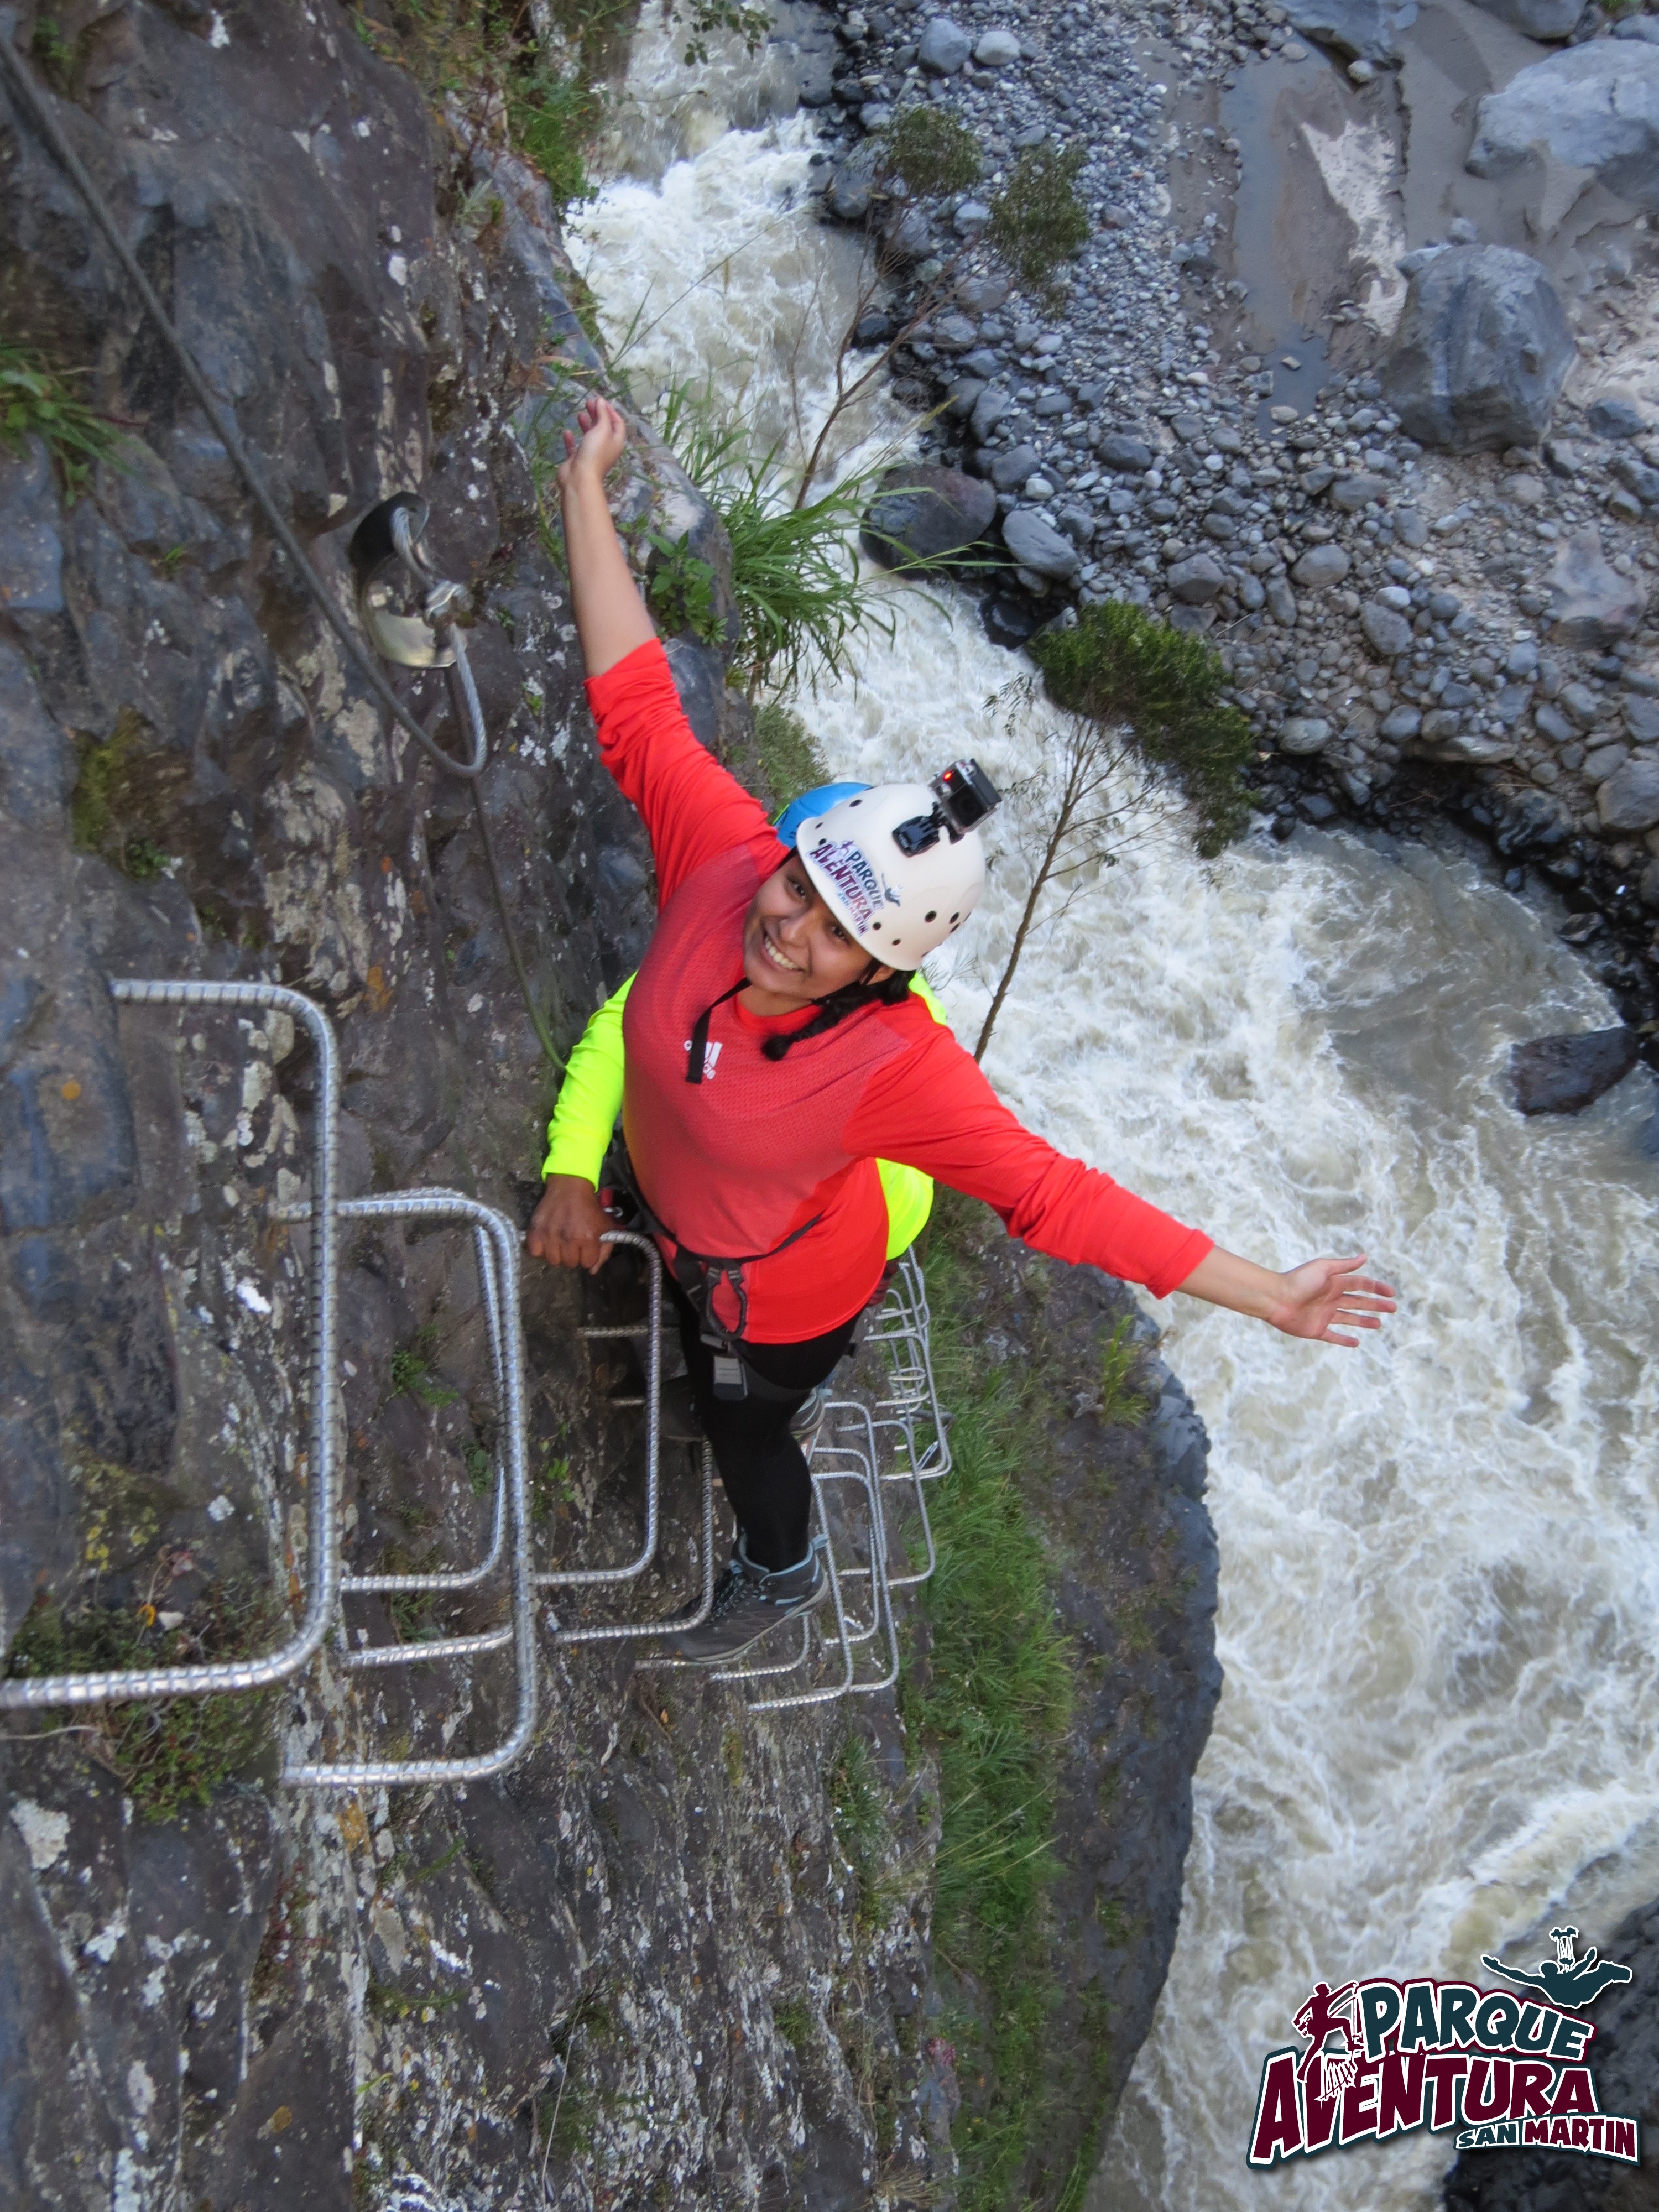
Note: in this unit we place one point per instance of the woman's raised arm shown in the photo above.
(612, 619)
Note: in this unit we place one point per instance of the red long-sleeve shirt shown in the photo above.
(735, 1166)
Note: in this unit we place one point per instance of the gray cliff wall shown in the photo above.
(637, 1970)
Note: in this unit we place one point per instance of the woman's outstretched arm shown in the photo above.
(612, 619)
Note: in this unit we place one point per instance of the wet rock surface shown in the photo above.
(923, 516)
(1564, 1074)
(1481, 353)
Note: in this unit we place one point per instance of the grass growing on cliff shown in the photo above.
(39, 401)
(1120, 666)
(169, 1753)
(789, 755)
(994, 1698)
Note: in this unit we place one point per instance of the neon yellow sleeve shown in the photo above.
(590, 1097)
(908, 1192)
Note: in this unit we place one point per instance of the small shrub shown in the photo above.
(551, 1488)
(1119, 663)
(793, 2019)
(38, 401)
(1037, 219)
(789, 755)
(553, 121)
(931, 150)
(172, 1752)
(751, 24)
(412, 1374)
(681, 590)
(858, 1814)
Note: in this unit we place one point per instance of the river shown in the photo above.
(1438, 1613)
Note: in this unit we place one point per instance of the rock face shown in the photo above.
(268, 1998)
(1481, 351)
(1591, 604)
(1593, 107)
(1564, 1074)
(924, 515)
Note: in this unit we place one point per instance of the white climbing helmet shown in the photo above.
(902, 866)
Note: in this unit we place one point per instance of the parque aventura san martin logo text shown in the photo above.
(1501, 2068)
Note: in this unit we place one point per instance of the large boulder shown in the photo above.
(1481, 352)
(1591, 605)
(1321, 567)
(944, 48)
(1594, 107)
(1564, 1074)
(1362, 30)
(1629, 799)
(926, 517)
(1539, 19)
(1037, 545)
(1197, 580)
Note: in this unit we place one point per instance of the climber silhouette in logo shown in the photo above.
(1326, 2010)
(1565, 1981)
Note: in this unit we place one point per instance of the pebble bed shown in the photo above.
(1384, 612)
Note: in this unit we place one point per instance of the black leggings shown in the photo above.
(762, 1467)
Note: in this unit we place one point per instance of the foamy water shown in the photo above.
(1438, 1590)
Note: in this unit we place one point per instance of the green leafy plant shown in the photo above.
(681, 589)
(551, 1488)
(751, 24)
(38, 401)
(858, 1814)
(1119, 665)
(931, 150)
(793, 2020)
(553, 120)
(1037, 219)
(168, 1753)
(411, 1370)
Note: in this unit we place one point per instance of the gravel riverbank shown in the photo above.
(1414, 632)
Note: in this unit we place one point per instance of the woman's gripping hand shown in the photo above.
(566, 1227)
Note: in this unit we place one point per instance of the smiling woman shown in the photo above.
(775, 1051)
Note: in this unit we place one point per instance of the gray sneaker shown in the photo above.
(748, 1602)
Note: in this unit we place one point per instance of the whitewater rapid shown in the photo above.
(1437, 1613)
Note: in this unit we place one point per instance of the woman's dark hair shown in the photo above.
(837, 1006)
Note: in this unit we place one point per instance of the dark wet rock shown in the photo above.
(1591, 604)
(1009, 621)
(1300, 733)
(1481, 351)
(1362, 30)
(1564, 1074)
(1354, 493)
(1617, 418)
(924, 515)
(1594, 106)
(989, 409)
(1629, 799)
(1129, 455)
(852, 186)
(1037, 545)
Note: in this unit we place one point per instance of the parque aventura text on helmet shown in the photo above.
(901, 866)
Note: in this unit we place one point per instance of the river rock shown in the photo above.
(1281, 601)
(1362, 30)
(1591, 604)
(1399, 724)
(1036, 545)
(1482, 350)
(1564, 1074)
(1642, 720)
(1539, 19)
(1128, 456)
(997, 50)
(1304, 733)
(1387, 632)
(1616, 418)
(1321, 567)
(989, 409)
(944, 47)
(924, 517)
(1009, 470)
(1354, 493)
(1197, 580)
(853, 182)
(1629, 799)
(1594, 106)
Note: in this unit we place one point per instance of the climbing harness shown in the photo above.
(444, 600)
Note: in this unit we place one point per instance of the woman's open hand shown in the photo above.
(1323, 1297)
(566, 1227)
(604, 435)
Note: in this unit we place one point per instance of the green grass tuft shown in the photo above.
(789, 755)
(1037, 220)
(1119, 1366)
(1119, 663)
(39, 401)
(168, 1753)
